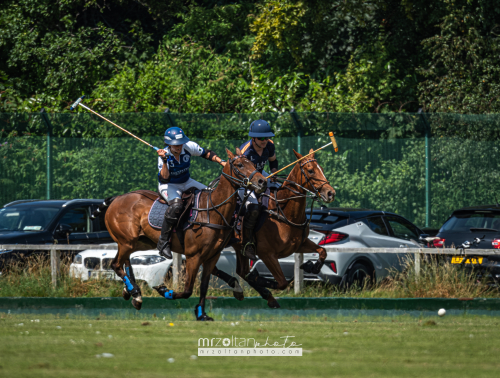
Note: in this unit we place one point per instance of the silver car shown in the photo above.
(354, 228)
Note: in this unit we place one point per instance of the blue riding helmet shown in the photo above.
(175, 136)
(260, 129)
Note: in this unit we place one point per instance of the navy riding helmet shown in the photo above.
(175, 136)
(260, 129)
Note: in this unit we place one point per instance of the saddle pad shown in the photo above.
(156, 214)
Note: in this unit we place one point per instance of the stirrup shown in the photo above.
(165, 252)
(247, 254)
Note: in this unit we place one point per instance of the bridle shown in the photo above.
(309, 179)
(313, 195)
(241, 181)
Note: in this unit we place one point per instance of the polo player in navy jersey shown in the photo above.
(174, 178)
(259, 150)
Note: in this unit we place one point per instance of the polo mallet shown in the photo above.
(333, 142)
(79, 102)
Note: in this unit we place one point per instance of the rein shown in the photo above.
(241, 181)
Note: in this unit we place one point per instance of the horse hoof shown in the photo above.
(201, 316)
(239, 296)
(137, 303)
(125, 294)
(205, 318)
(273, 303)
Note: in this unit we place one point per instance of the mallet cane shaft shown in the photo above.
(78, 102)
(333, 142)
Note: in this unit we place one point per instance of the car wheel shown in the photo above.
(359, 276)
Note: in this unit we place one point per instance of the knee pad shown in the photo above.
(175, 208)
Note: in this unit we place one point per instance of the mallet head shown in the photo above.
(334, 142)
(73, 107)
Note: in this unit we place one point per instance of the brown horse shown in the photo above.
(286, 229)
(127, 222)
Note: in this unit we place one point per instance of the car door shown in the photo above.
(402, 233)
(380, 237)
(78, 218)
(100, 227)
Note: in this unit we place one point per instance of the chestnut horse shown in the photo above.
(285, 230)
(127, 221)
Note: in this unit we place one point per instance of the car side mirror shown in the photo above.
(63, 229)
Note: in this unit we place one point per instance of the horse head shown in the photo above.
(243, 172)
(313, 178)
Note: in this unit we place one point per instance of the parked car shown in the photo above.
(469, 223)
(354, 228)
(47, 222)
(148, 266)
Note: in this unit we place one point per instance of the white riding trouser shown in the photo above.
(252, 198)
(172, 191)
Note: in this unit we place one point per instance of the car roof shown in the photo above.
(51, 203)
(479, 207)
(349, 212)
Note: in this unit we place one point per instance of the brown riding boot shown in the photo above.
(249, 222)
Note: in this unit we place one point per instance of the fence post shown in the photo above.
(55, 265)
(418, 259)
(176, 269)
(298, 274)
(428, 167)
(49, 152)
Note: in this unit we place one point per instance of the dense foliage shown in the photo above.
(209, 56)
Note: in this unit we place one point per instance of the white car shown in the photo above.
(148, 266)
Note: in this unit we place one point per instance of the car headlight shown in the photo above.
(146, 260)
(78, 259)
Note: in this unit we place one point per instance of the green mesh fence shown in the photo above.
(420, 166)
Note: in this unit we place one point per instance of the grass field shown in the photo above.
(47, 346)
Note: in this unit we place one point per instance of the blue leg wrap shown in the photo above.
(128, 284)
(127, 269)
(200, 312)
(169, 294)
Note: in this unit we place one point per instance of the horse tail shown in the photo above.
(101, 210)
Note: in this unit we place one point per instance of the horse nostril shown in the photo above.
(330, 194)
(261, 182)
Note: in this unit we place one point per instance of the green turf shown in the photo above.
(333, 347)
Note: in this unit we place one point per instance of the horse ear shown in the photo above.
(230, 155)
(297, 154)
(312, 156)
(238, 151)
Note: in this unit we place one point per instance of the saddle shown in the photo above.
(190, 199)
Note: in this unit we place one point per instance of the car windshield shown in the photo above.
(26, 219)
(463, 222)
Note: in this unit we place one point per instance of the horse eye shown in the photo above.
(240, 165)
(311, 171)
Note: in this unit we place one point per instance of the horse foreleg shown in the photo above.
(130, 273)
(310, 247)
(208, 267)
(243, 270)
(231, 282)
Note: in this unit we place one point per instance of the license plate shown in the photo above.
(470, 260)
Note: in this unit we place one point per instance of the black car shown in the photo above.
(47, 222)
(469, 223)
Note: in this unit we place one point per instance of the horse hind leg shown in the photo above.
(127, 275)
(231, 281)
(208, 268)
